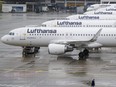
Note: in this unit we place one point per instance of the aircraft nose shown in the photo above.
(4, 39)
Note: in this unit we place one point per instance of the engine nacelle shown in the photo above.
(94, 45)
(57, 49)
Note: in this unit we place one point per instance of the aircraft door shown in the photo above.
(23, 35)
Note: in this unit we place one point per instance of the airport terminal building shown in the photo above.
(45, 5)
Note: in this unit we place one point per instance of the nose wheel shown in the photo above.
(84, 54)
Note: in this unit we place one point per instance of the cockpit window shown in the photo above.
(43, 25)
(91, 6)
(11, 33)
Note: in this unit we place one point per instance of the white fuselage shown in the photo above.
(43, 36)
(98, 6)
(91, 17)
(80, 23)
(111, 10)
(100, 12)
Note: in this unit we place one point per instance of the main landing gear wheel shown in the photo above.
(84, 54)
(30, 50)
(36, 49)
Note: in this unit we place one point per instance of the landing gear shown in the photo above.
(30, 50)
(36, 49)
(81, 55)
(84, 54)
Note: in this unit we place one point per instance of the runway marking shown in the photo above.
(7, 70)
(6, 85)
(12, 70)
(17, 68)
(101, 74)
(38, 71)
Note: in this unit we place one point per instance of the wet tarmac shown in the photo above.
(46, 70)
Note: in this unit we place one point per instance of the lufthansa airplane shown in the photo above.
(60, 40)
(79, 23)
(107, 10)
(103, 11)
(98, 6)
(91, 17)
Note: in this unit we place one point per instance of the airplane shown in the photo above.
(98, 6)
(110, 10)
(91, 17)
(101, 9)
(79, 23)
(60, 40)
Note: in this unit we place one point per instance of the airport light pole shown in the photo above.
(75, 6)
(75, 3)
(65, 4)
(85, 3)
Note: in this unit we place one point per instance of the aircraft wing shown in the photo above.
(82, 42)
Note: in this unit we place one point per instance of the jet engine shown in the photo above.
(57, 49)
